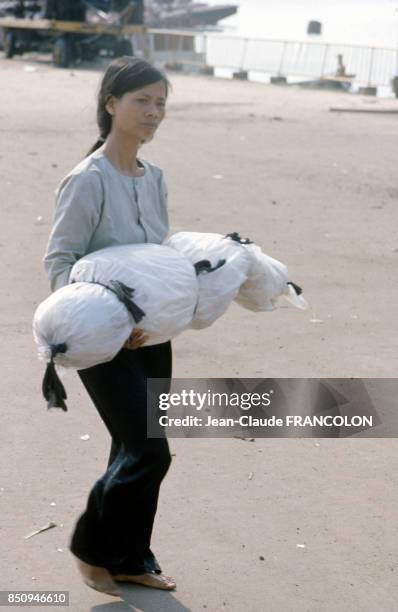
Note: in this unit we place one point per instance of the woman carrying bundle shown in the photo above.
(113, 197)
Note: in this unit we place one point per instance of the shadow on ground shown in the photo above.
(140, 599)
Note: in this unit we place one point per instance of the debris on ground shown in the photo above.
(44, 528)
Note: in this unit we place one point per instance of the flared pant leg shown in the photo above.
(115, 530)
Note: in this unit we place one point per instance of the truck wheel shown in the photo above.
(9, 44)
(62, 52)
(123, 47)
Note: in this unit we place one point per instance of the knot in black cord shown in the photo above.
(58, 348)
(297, 289)
(204, 265)
(236, 237)
(124, 294)
(52, 388)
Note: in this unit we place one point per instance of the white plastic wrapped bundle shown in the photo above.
(165, 284)
(80, 325)
(267, 281)
(230, 263)
(87, 322)
(202, 245)
(188, 282)
(90, 320)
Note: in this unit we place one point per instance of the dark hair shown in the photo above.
(123, 75)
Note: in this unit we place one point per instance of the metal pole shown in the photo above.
(394, 80)
(150, 38)
(180, 52)
(298, 56)
(246, 40)
(282, 57)
(396, 65)
(324, 60)
(146, 38)
(204, 50)
(371, 66)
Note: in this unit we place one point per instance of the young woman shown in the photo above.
(113, 197)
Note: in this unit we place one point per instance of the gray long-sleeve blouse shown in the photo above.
(97, 207)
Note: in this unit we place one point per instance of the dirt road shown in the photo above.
(317, 190)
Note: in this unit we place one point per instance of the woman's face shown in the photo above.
(139, 113)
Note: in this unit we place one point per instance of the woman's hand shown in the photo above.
(136, 339)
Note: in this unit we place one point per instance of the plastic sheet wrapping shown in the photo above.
(188, 282)
(267, 281)
(250, 277)
(218, 288)
(88, 318)
(164, 283)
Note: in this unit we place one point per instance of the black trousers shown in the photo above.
(115, 530)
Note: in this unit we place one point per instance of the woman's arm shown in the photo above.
(79, 201)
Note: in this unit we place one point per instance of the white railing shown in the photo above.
(372, 66)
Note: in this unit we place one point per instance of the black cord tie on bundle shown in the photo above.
(236, 237)
(297, 289)
(125, 294)
(204, 265)
(53, 389)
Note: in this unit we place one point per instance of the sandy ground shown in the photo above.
(317, 190)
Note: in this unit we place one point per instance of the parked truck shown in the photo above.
(71, 29)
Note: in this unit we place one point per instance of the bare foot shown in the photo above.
(149, 579)
(97, 578)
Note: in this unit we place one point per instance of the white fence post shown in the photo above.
(282, 58)
(150, 46)
(372, 52)
(205, 68)
(242, 61)
(324, 60)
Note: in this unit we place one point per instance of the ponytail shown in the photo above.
(104, 121)
(96, 145)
